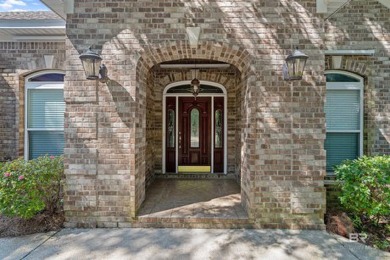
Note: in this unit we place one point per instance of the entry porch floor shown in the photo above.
(193, 203)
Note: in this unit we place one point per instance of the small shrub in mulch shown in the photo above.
(31, 195)
(365, 195)
(373, 234)
(42, 222)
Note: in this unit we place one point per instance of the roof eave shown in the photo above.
(61, 8)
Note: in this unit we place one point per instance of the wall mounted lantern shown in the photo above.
(91, 64)
(295, 65)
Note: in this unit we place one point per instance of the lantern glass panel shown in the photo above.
(291, 68)
(91, 67)
(296, 67)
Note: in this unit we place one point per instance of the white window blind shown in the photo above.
(340, 147)
(45, 142)
(343, 109)
(45, 109)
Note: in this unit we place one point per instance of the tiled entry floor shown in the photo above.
(193, 201)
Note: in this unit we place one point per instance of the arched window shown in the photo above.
(344, 117)
(44, 114)
(186, 88)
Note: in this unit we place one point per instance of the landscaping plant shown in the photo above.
(30, 187)
(365, 186)
(365, 194)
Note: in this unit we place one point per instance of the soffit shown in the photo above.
(31, 26)
(57, 6)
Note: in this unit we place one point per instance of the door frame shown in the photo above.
(177, 95)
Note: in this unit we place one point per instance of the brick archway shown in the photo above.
(240, 60)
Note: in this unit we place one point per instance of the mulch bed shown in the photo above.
(339, 223)
(43, 222)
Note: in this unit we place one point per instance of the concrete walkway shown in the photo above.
(202, 244)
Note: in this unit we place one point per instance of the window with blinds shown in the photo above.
(344, 115)
(45, 109)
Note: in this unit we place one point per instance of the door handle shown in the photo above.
(179, 140)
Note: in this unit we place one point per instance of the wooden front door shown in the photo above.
(194, 131)
(195, 134)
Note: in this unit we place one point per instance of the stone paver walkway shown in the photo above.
(172, 198)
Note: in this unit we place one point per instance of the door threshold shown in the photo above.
(195, 175)
(194, 169)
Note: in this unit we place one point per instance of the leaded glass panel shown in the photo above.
(218, 128)
(194, 128)
(171, 128)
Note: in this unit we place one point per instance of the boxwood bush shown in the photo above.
(30, 187)
(365, 186)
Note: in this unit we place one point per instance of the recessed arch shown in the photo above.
(206, 50)
(237, 83)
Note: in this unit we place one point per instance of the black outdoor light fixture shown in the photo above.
(295, 65)
(195, 87)
(195, 83)
(91, 64)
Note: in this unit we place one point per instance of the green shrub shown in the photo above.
(365, 186)
(29, 187)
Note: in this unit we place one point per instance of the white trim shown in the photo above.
(385, 3)
(177, 95)
(164, 132)
(353, 86)
(343, 86)
(195, 66)
(40, 38)
(225, 157)
(44, 85)
(69, 6)
(177, 134)
(38, 85)
(343, 131)
(33, 24)
(45, 129)
(212, 135)
(350, 52)
(322, 6)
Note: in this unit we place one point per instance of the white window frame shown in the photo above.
(359, 86)
(38, 85)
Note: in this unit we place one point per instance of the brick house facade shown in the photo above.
(275, 129)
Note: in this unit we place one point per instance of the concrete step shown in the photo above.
(150, 222)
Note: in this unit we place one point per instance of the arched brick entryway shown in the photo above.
(151, 81)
